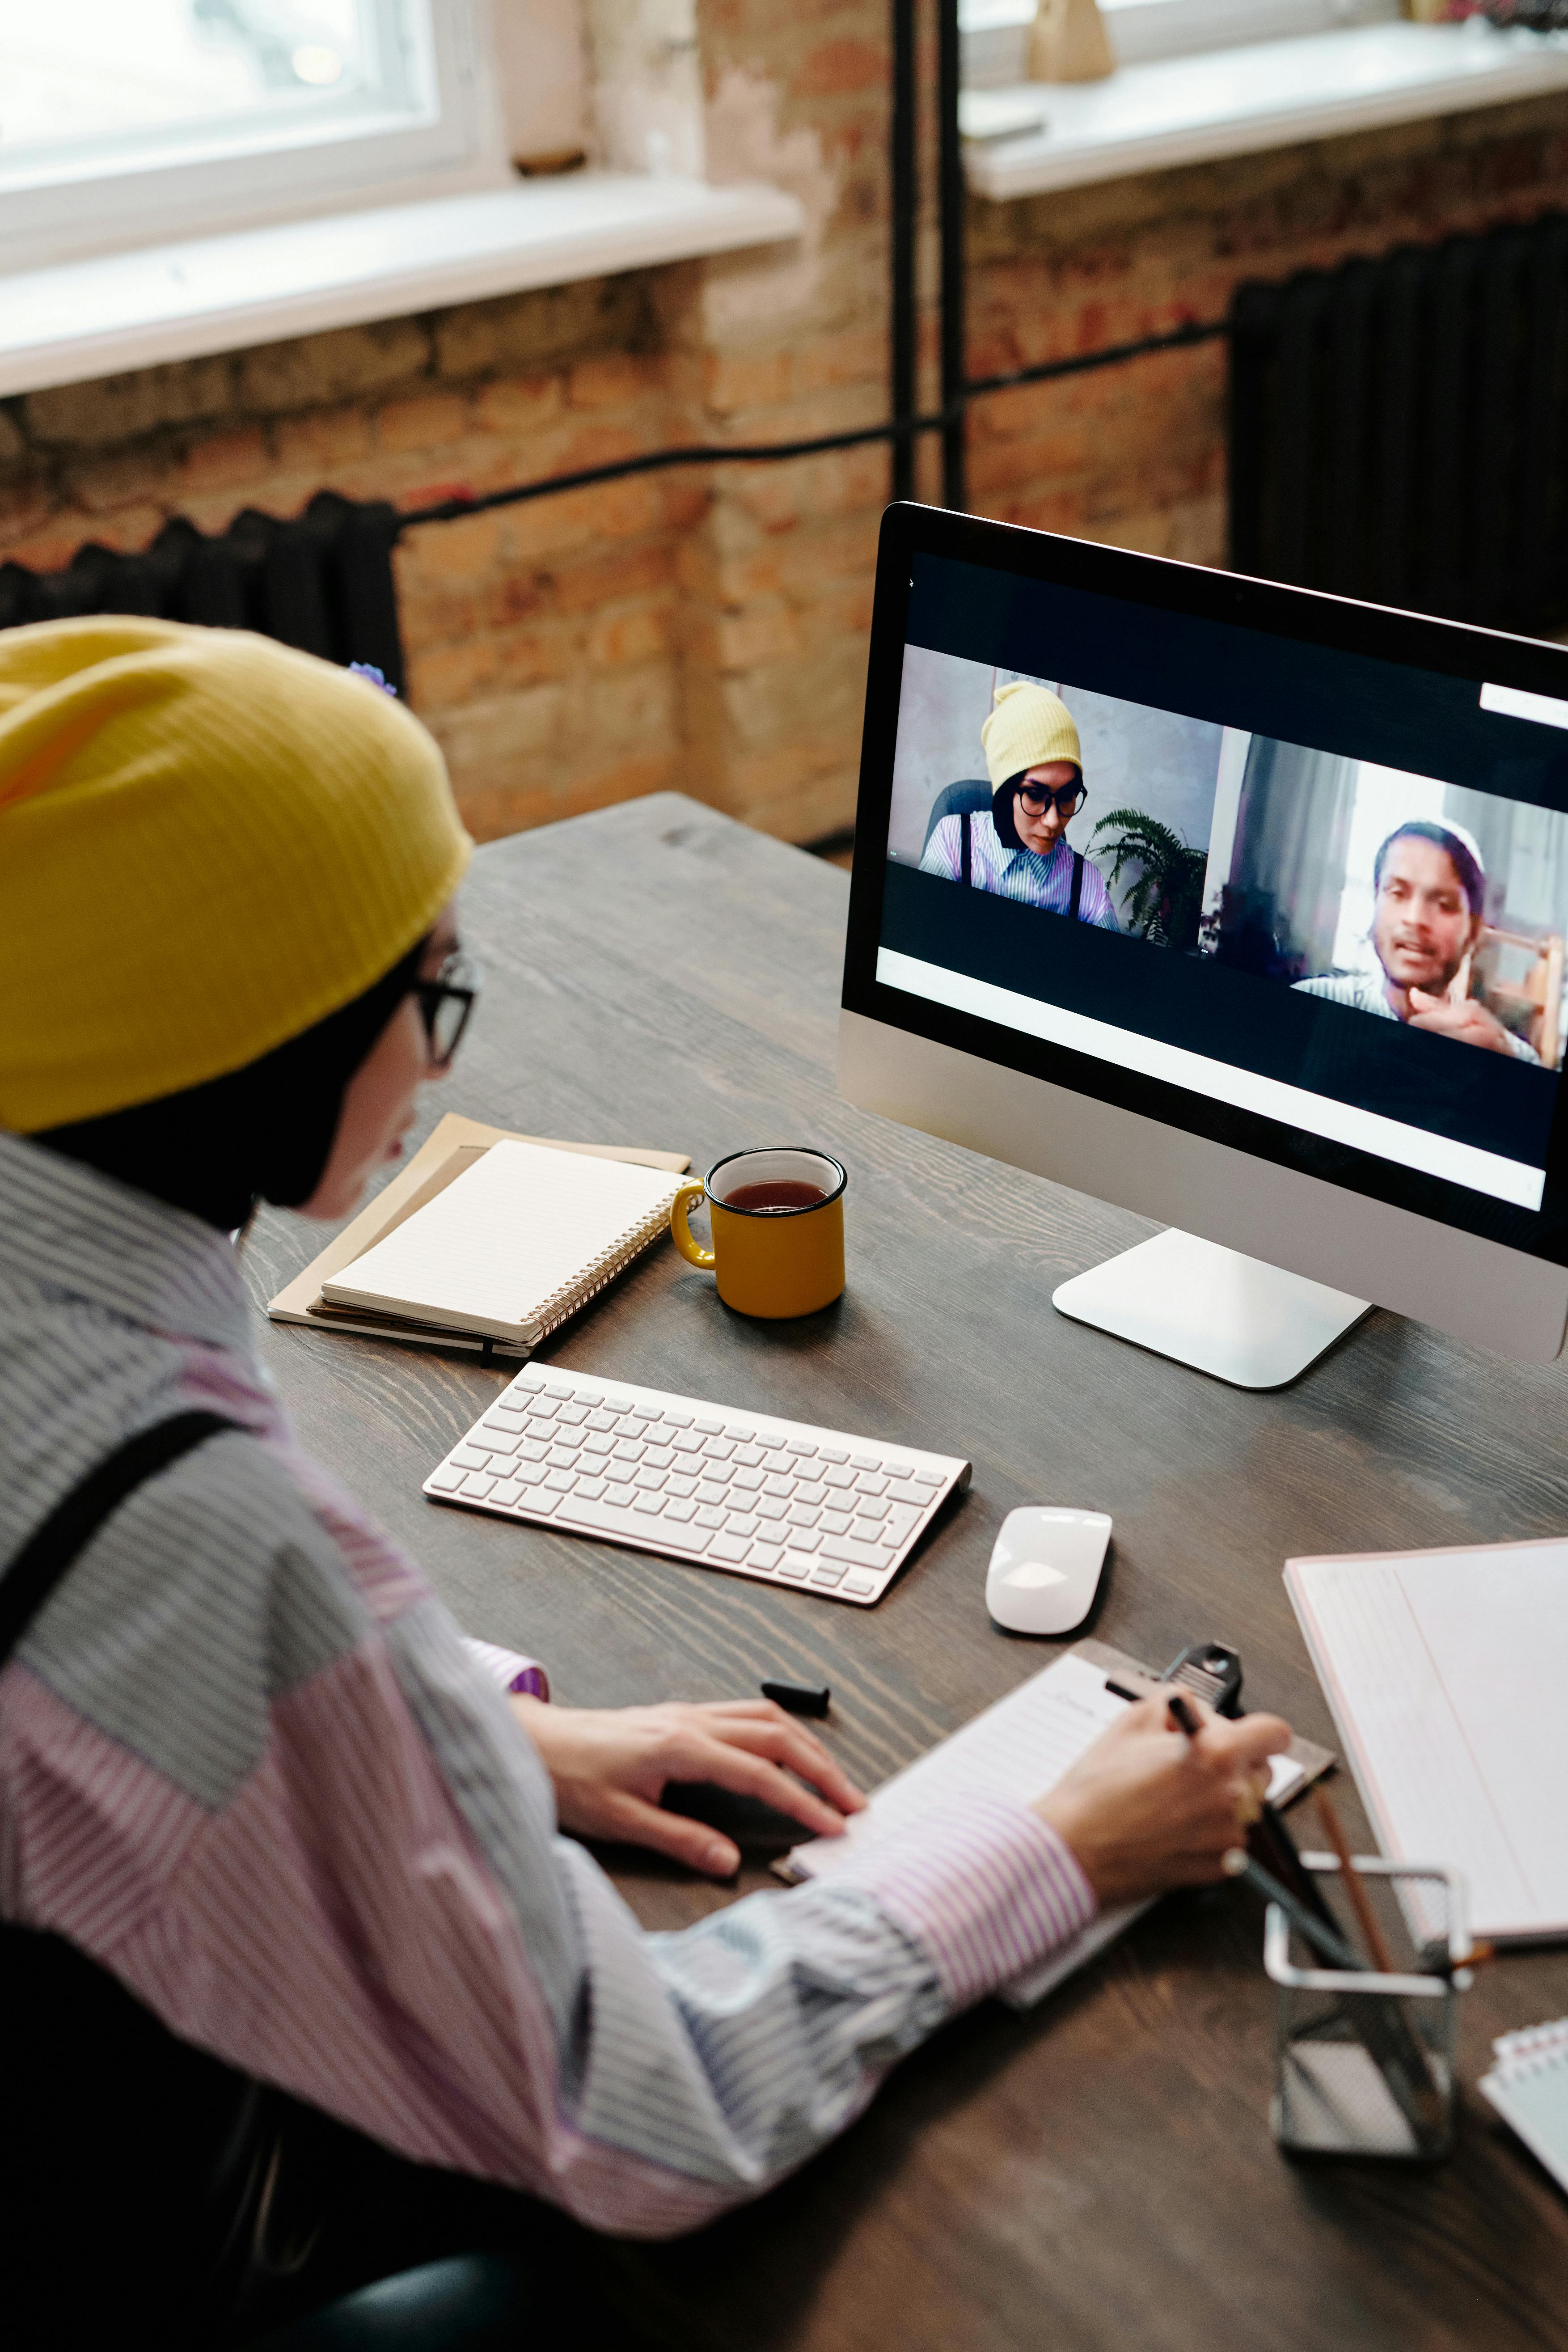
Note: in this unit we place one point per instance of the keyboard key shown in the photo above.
(835, 1523)
(676, 1420)
(497, 1441)
(562, 1457)
(800, 1514)
(749, 1457)
(927, 1478)
(477, 1483)
(649, 1503)
(530, 1381)
(823, 1572)
(540, 1502)
(834, 1476)
(876, 1507)
(607, 1518)
(869, 1483)
(765, 1555)
(563, 1481)
(591, 1397)
(617, 1404)
(900, 1522)
(686, 1441)
(804, 1538)
(748, 1482)
(732, 1548)
(794, 1564)
(470, 1457)
(742, 1523)
(853, 1554)
(864, 1462)
(543, 1408)
(740, 1436)
(649, 1481)
(629, 1450)
(866, 1531)
(600, 1420)
(710, 1491)
(718, 1449)
(505, 1490)
(449, 1478)
(619, 1498)
(645, 1413)
(596, 1440)
(709, 1428)
(679, 1511)
(573, 1415)
(531, 1474)
(902, 1491)
(770, 1507)
(858, 1582)
(802, 1446)
(774, 1484)
(831, 1454)
(499, 1419)
(776, 1459)
(589, 1488)
(557, 1389)
(674, 1483)
(706, 1516)
(531, 1450)
(814, 1492)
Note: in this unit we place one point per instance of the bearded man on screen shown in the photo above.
(1429, 890)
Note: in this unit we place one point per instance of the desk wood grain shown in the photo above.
(1100, 2173)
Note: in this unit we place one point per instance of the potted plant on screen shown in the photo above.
(1166, 901)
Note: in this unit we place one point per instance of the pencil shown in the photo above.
(1333, 1830)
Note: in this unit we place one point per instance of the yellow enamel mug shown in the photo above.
(778, 1229)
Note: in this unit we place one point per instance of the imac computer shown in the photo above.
(1243, 907)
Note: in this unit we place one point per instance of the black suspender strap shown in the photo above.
(71, 1526)
(964, 854)
(1077, 887)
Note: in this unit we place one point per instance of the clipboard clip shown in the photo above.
(1212, 1672)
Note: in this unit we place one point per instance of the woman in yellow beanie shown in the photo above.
(1020, 849)
(293, 1954)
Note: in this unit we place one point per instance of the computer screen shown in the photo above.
(1286, 873)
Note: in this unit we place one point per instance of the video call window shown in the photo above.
(1400, 897)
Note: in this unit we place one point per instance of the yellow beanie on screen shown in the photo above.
(208, 842)
(1029, 727)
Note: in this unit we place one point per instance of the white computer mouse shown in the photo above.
(1045, 1571)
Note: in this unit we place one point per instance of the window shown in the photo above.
(171, 117)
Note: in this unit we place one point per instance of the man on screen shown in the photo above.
(1020, 850)
(1429, 888)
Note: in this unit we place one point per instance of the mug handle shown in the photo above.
(681, 1233)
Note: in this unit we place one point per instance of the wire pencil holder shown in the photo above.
(1364, 2061)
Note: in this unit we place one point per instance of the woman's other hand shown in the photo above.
(1147, 1809)
(611, 1766)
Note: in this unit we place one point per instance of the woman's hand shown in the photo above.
(1147, 1809)
(610, 1767)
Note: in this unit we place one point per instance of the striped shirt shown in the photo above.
(1034, 881)
(249, 1766)
(1365, 992)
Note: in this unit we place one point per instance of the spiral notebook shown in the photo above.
(1529, 2088)
(516, 1244)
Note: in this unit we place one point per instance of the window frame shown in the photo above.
(454, 145)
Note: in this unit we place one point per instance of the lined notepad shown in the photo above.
(1019, 1748)
(1529, 2088)
(1446, 1671)
(516, 1244)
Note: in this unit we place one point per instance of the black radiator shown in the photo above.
(322, 581)
(1399, 428)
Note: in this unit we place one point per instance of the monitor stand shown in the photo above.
(1245, 1322)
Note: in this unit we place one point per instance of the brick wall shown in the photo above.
(707, 629)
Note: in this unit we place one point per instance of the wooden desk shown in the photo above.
(1100, 2173)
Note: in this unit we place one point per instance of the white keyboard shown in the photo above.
(819, 1509)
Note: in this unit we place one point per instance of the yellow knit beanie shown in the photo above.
(208, 842)
(1029, 727)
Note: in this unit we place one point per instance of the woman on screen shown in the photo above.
(1020, 850)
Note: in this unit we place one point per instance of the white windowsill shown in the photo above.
(1189, 110)
(81, 319)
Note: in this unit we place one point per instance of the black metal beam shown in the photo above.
(949, 173)
(903, 196)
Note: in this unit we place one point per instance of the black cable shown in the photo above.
(757, 453)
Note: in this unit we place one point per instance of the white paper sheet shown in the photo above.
(1446, 1671)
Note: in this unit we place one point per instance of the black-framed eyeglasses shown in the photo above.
(1069, 798)
(446, 1003)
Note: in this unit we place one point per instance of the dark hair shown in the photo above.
(1002, 805)
(1472, 880)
